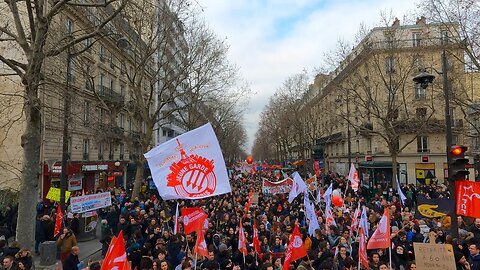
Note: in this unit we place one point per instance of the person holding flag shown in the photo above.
(296, 249)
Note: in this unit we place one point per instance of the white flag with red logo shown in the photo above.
(242, 241)
(298, 187)
(58, 221)
(381, 237)
(296, 249)
(116, 257)
(193, 220)
(353, 177)
(191, 166)
(362, 249)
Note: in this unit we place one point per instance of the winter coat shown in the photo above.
(67, 242)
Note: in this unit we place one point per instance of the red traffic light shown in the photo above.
(458, 150)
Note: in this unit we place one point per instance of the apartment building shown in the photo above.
(104, 130)
(369, 108)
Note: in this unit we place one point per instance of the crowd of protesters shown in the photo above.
(147, 223)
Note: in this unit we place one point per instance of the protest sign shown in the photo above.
(283, 186)
(91, 202)
(54, 194)
(255, 197)
(434, 256)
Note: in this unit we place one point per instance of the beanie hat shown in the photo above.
(458, 255)
(222, 247)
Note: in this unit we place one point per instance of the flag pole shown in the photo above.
(390, 254)
(196, 260)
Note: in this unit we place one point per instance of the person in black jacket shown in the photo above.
(72, 262)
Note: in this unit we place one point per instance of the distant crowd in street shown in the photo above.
(147, 223)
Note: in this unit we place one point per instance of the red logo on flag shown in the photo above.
(467, 198)
(296, 249)
(193, 176)
(381, 236)
(58, 221)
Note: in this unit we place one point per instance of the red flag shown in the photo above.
(176, 224)
(362, 250)
(116, 257)
(242, 241)
(256, 242)
(201, 245)
(247, 207)
(381, 236)
(316, 168)
(296, 249)
(193, 219)
(58, 221)
(468, 195)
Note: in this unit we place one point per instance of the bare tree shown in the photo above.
(27, 28)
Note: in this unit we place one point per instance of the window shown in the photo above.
(390, 65)
(122, 90)
(69, 25)
(122, 151)
(452, 116)
(129, 124)
(476, 143)
(102, 53)
(121, 120)
(123, 68)
(88, 42)
(86, 113)
(112, 85)
(422, 144)
(454, 139)
(444, 37)
(86, 149)
(112, 61)
(416, 38)
(420, 92)
(100, 151)
(369, 146)
(111, 152)
(101, 115)
(421, 113)
(101, 91)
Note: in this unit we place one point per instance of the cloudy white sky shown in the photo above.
(271, 40)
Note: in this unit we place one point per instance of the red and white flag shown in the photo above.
(242, 241)
(249, 203)
(362, 250)
(354, 222)
(353, 178)
(296, 249)
(189, 167)
(193, 220)
(58, 221)
(116, 257)
(468, 198)
(381, 237)
(298, 187)
(176, 225)
(256, 241)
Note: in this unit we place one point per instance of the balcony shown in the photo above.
(110, 131)
(418, 125)
(366, 129)
(110, 96)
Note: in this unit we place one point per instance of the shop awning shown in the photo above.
(375, 164)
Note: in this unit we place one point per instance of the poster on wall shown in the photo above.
(75, 182)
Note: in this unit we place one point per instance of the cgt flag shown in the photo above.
(468, 195)
(58, 221)
(189, 167)
(353, 178)
(362, 250)
(298, 187)
(296, 249)
(193, 220)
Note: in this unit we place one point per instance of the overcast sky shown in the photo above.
(271, 40)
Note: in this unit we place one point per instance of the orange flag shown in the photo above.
(362, 249)
(242, 241)
(201, 245)
(381, 236)
(296, 249)
(116, 257)
(58, 221)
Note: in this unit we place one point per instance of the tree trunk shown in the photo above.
(394, 169)
(29, 191)
(137, 184)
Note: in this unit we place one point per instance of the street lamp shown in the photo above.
(424, 79)
(349, 141)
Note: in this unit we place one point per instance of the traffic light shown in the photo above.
(457, 166)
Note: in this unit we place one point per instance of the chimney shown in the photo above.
(422, 20)
(396, 23)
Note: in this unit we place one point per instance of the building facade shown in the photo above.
(369, 110)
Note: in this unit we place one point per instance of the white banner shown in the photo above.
(75, 182)
(191, 166)
(91, 202)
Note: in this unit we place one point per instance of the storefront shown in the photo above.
(84, 176)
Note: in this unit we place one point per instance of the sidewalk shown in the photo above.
(88, 250)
